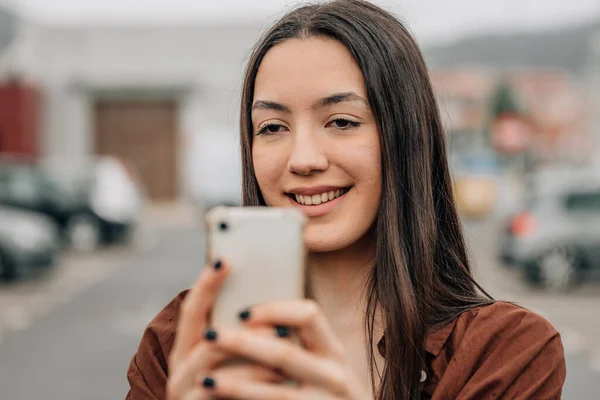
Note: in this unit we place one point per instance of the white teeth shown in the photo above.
(317, 199)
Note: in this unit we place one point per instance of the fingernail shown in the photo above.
(218, 264)
(245, 315)
(208, 382)
(282, 331)
(210, 335)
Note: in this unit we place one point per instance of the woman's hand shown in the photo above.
(194, 355)
(319, 366)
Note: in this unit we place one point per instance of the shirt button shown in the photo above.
(423, 376)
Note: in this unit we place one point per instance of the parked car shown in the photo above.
(556, 238)
(93, 202)
(28, 242)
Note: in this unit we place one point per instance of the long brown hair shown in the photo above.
(422, 275)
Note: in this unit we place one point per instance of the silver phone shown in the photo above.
(265, 249)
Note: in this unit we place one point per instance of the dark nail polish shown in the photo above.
(245, 315)
(282, 331)
(218, 264)
(208, 382)
(210, 335)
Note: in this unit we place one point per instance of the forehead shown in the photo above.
(299, 70)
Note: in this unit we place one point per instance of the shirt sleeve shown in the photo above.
(148, 371)
(507, 352)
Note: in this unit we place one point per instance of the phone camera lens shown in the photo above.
(223, 226)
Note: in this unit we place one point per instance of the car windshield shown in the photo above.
(583, 202)
(20, 184)
(68, 178)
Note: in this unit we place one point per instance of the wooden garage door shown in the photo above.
(143, 133)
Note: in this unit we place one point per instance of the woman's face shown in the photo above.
(316, 144)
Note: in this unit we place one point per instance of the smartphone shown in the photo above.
(265, 249)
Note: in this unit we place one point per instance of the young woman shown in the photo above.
(339, 119)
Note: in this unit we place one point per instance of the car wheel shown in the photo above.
(83, 233)
(8, 271)
(558, 269)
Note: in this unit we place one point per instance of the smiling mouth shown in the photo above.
(317, 199)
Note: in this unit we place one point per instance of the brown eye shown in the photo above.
(343, 124)
(271, 129)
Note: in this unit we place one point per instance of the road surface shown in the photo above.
(71, 334)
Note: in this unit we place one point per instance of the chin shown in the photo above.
(323, 239)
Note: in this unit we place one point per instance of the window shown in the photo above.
(583, 202)
(4, 185)
(20, 187)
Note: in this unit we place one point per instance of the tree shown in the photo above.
(505, 101)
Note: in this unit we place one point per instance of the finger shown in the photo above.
(292, 360)
(195, 310)
(206, 355)
(203, 358)
(224, 385)
(196, 393)
(242, 371)
(306, 317)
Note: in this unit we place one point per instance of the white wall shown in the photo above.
(199, 66)
(18, 60)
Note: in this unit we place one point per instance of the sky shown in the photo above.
(430, 20)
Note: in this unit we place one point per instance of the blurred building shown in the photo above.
(554, 102)
(18, 101)
(146, 93)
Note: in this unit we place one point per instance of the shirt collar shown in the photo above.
(434, 342)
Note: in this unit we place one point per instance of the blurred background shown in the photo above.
(118, 128)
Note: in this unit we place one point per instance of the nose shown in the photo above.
(307, 155)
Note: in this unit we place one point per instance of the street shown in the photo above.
(574, 314)
(70, 335)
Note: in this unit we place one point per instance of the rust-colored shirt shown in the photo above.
(499, 351)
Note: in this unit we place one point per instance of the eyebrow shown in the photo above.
(324, 102)
(270, 106)
(339, 98)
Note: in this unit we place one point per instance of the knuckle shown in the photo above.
(313, 311)
(188, 306)
(202, 355)
(230, 389)
(236, 342)
(240, 341)
(339, 382)
(260, 374)
(205, 285)
(209, 287)
(280, 358)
